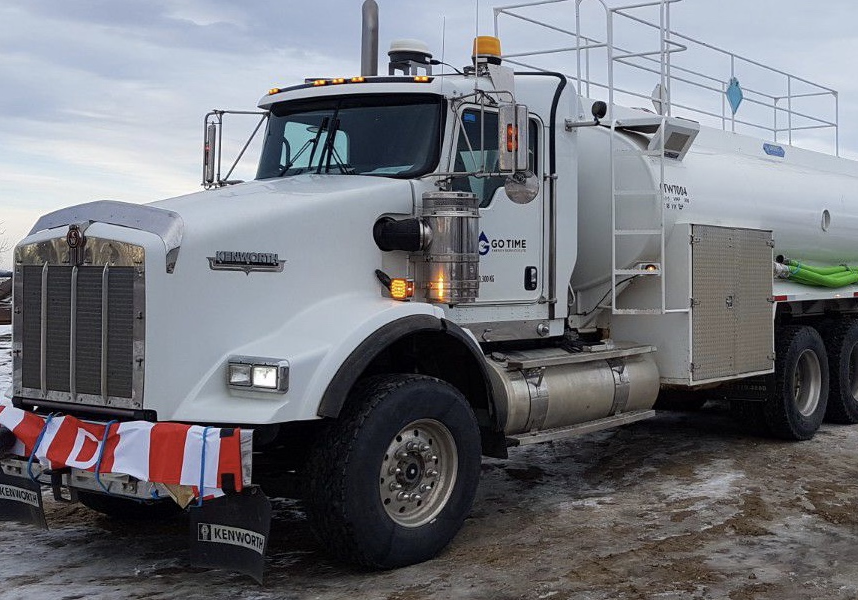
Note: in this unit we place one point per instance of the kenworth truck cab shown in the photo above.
(428, 268)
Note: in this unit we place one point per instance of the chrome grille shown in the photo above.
(79, 330)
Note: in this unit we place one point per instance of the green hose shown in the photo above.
(832, 277)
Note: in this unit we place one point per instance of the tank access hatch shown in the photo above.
(732, 329)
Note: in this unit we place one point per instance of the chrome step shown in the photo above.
(638, 232)
(562, 433)
(637, 272)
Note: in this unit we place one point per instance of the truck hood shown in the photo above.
(257, 203)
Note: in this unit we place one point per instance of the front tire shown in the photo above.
(391, 481)
(796, 407)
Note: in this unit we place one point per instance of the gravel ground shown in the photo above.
(686, 505)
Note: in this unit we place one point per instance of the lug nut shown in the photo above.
(433, 458)
(411, 446)
(401, 455)
(403, 496)
(425, 487)
(431, 473)
(395, 486)
(416, 498)
(424, 447)
(394, 470)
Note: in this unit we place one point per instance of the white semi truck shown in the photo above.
(432, 267)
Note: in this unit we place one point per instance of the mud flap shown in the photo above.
(21, 501)
(231, 532)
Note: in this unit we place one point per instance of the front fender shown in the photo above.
(317, 342)
(371, 347)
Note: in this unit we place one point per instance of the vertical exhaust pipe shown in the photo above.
(369, 39)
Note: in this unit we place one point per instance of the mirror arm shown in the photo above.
(570, 124)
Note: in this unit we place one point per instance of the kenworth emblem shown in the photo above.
(224, 260)
(76, 241)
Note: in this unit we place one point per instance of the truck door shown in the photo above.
(511, 235)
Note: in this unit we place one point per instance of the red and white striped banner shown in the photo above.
(168, 453)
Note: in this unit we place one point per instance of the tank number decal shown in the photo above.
(675, 197)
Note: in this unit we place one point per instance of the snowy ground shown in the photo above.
(682, 506)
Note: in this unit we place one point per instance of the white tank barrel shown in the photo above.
(809, 200)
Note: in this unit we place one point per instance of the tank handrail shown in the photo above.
(777, 95)
(609, 45)
(823, 124)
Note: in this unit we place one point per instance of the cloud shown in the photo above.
(105, 99)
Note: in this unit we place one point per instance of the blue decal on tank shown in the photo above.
(773, 150)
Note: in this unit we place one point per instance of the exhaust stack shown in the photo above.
(369, 39)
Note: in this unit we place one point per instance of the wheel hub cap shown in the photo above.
(418, 472)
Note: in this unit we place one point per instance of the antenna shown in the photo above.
(476, 35)
(443, 38)
(443, 59)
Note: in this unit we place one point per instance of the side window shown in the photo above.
(478, 147)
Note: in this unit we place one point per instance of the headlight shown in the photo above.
(240, 374)
(258, 374)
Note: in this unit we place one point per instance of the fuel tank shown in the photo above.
(549, 387)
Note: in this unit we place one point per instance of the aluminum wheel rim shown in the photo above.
(418, 473)
(807, 382)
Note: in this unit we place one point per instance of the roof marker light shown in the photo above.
(320, 82)
(273, 91)
(422, 79)
(358, 79)
(338, 80)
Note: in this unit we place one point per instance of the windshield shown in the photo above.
(388, 135)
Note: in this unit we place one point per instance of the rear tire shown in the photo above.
(841, 343)
(796, 406)
(391, 481)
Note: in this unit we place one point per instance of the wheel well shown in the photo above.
(426, 346)
(437, 354)
(419, 344)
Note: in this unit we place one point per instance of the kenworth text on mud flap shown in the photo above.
(431, 267)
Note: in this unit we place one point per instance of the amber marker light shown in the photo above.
(401, 289)
(273, 91)
(338, 80)
(421, 79)
(511, 138)
(357, 79)
(320, 82)
(441, 287)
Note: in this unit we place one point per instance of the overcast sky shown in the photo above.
(103, 99)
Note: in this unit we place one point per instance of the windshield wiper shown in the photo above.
(327, 149)
(314, 142)
(331, 153)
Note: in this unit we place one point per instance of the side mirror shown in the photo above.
(209, 149)
(512, 138)
(521, 188)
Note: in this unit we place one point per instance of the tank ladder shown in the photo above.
(622, 198)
